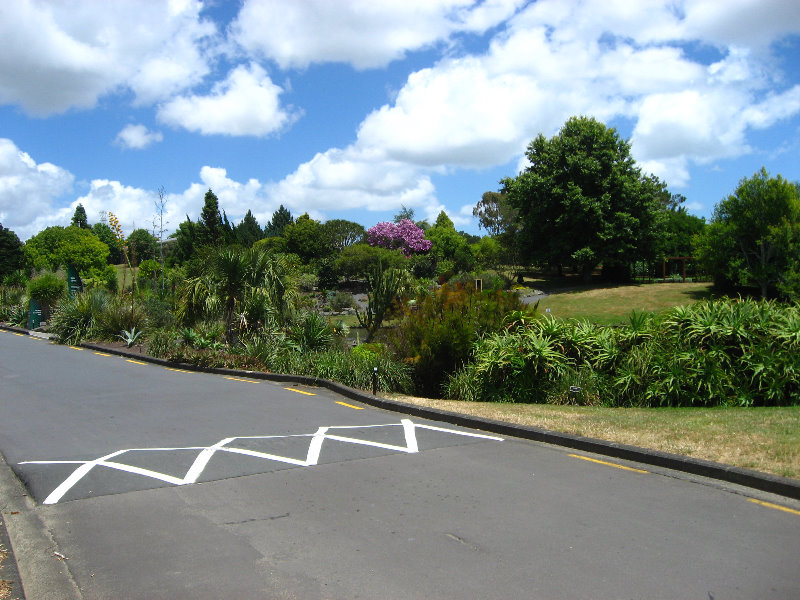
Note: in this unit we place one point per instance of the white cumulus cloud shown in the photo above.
(557, 59)
(137, 137)
(247, 103)
(364, 33)
(28, 191)
(62, 54)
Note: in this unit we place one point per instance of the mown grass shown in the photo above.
(763, 439)
(613, 304)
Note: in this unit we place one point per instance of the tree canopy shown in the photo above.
(754, 235)
(582, 201)
(106, 235)
(142, 245)
(342, 233)
(57, 246)
(79, 218)
(248, 232)
(11, 255)
(305, 237)
(210, 227)
(405, 236)
(280, 219)
(450, 249)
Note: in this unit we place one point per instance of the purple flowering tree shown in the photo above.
(404, 235)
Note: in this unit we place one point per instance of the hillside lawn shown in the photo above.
(613, 304)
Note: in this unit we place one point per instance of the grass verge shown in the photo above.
(763, 439)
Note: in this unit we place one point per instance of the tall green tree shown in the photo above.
(11, 255)
(583, 201)
(495, 214)
(248, 232)
(679, 229)
(280, 219)
(754, 235)
(187, 240)
(450, 249)
(210, 229)
(79, 218)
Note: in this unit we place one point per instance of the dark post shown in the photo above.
(375, 381)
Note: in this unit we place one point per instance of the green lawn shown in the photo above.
(612, 304)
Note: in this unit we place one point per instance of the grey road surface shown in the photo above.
(146, 482)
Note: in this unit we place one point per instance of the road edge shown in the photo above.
(44, 575)
(765, 482)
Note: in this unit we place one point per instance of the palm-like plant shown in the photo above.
(241, 286)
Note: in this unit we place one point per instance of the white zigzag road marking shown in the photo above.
(207, 452)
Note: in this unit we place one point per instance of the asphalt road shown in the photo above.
(145, 482)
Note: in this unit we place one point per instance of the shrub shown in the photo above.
(159, 312)
(341, 300)
(47, 289)
(104, 277)
(436, 333)
(119, 313)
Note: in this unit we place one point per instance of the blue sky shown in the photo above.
(353, 108)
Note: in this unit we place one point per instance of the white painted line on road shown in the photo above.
(207, 452)
(411, 435)
(202, 459)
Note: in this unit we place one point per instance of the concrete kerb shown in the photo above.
(764, 482)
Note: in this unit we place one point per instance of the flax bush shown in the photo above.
(77, 319)
(713, 353)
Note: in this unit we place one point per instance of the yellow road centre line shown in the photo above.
(300, 391)
(350, 405)
(19, 334)
(102, 354)
(775, 506)
(608, 464)
(76, 348)
(179, 370)
(239, 379)
(136, 362)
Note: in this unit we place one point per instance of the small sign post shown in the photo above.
(34, 315)
(74, 282)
